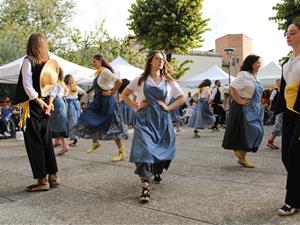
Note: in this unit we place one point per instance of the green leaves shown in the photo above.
(286, 12)
(175, 26)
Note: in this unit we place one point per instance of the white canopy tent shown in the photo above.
(125, 70)
(9, 73)
(213, 73)
(269, 74)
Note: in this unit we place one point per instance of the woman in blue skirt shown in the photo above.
(101, 119)
(202, 116)
(126, 111)
(244, 130)
(59, 117)
(153, 145)
(74, 109)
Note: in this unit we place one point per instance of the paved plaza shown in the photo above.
(204, 185)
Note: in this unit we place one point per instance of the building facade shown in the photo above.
(242, 45)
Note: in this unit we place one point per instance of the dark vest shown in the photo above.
(274, 102)
(20, 94)
(217, 98)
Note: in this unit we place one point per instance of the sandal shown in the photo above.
(145, 197)
(38, 187)
(62, 151)
(286, 210)
(54, 183)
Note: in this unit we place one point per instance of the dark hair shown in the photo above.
(165, 71)
(296, 22)
(103, 62)
(205, 83)
(37, 48)
(248, 63)
(125, 82)
(216, 81)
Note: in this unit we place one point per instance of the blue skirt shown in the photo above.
(244, 128)
(202, 116)
(127, 113)
(73, 116)
(59, 119)
(116, 129)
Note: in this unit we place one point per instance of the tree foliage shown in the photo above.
(175, 26)
(20, 18)
(286, 12)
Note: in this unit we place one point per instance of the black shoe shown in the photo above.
(157, 179)
(286, 210)
(145, 197)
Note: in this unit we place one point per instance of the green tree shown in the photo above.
(20, 18)
(175, 26)
(286, 12)
(82, 46)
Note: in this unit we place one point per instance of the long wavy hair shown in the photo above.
(165, 72)
(203, 84)
(104, 63)
(37, 48)
(70, 83)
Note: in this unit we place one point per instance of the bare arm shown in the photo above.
(125, 96)
(179, 101)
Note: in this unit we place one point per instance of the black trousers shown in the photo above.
(221, 114)
(38, 142)
(291, 156)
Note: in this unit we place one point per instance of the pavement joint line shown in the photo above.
(4, 197)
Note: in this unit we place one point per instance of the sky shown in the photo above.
(230, 16)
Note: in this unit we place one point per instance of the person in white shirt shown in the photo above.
(59, 116)
(277, 128)
(102, 119)
(74, 108)
(217, 106)
(202, 116)
(153, 145)
(35, 120)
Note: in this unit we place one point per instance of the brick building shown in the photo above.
(243, 46)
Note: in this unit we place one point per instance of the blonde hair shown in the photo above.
(37, 48)
(71, 84)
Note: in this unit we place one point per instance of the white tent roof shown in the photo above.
(269, 74)
(213, 73)
(125, 70)
(9, 73)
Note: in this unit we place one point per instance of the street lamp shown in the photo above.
(229, 52)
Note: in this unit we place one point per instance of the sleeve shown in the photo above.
(133, 85)
(176, 90)
(54, 91)
(109, 75)
(27, 80)
(213, 94)
(273, 95)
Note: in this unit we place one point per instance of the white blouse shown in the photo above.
(173, 90)
(27, 80)
(58, 90)
(106, 80)
(291, 70)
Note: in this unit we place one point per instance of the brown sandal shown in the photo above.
(38, 187)
(54, 183)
